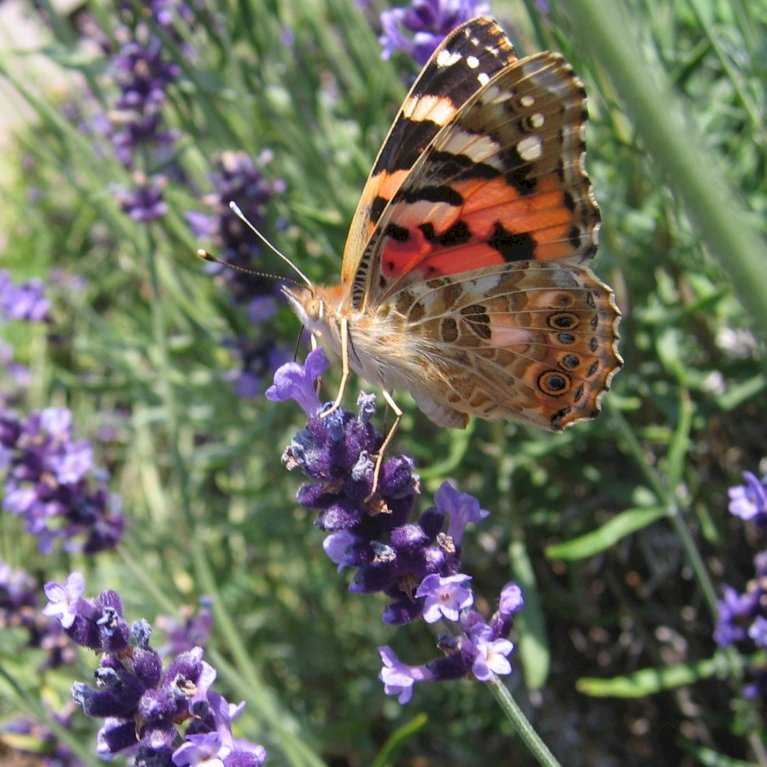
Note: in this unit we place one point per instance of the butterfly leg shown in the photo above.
(344, 369)
(385, 444)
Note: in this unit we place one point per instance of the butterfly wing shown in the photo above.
(532, 341)
(504, 181)
(483, 250)
(468, 58)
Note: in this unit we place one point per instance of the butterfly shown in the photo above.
(465, 277)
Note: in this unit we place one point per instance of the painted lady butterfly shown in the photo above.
(464, 276)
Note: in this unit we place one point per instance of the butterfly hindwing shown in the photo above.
(535, 341)
(467, 59)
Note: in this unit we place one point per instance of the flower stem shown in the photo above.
(522, 725)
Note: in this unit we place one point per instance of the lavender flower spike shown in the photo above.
(143, 705)
(420, 28)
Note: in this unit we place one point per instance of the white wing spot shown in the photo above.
(530, 148)
(537, 120)
(435, 108)
(483, 78)
(527, 101)
(476, 147)
(491, 94)
(472, 61)
(446, 58)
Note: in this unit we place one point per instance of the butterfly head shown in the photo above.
(309, 308)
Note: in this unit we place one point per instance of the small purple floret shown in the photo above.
(297, 382)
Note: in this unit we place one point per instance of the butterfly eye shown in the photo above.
(315, 309)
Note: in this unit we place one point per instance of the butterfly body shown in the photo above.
(465, 277)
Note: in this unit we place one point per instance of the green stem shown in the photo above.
(692, 171)
(522, 725)
(673, 510)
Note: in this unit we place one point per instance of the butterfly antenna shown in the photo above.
(205, 256)
(235, 208)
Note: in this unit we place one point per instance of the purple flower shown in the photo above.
(192, 631)
(461, 509)
(491, 655)
(258, 359)
(757, 631)
(748, 501)
(24, 301)
(65, 600)
(18, 609)
(742, 616)
(39, 744)
(297, 382)
(444, 597)
(143, 72)
(144, 202)
(412, 560)
(133, 687)
(239, 178)
(51, 483)
(419, 28)
(398, 677)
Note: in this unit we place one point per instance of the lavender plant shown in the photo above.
(164, 716)
(415, 562)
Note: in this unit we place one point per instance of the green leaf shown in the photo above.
(648, 681)
(624, 524)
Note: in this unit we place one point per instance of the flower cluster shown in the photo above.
(144, 70)
(742, 618)
(144, 705)
(415, 562)
(419, 28)
(50, 481)
(22, 301)
(25, 301)
(18, 609)
(239, 178)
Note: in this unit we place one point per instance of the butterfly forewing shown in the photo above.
(465, 60)
(503, 182)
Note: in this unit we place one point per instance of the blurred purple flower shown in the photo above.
(19, 609)
(193, 630)
(257, 359)
(742, 616)
(237, 177)
(419, 28)
(749, 501)
(50, 482)
(144, 201)
(45, 748)
(22, 301)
